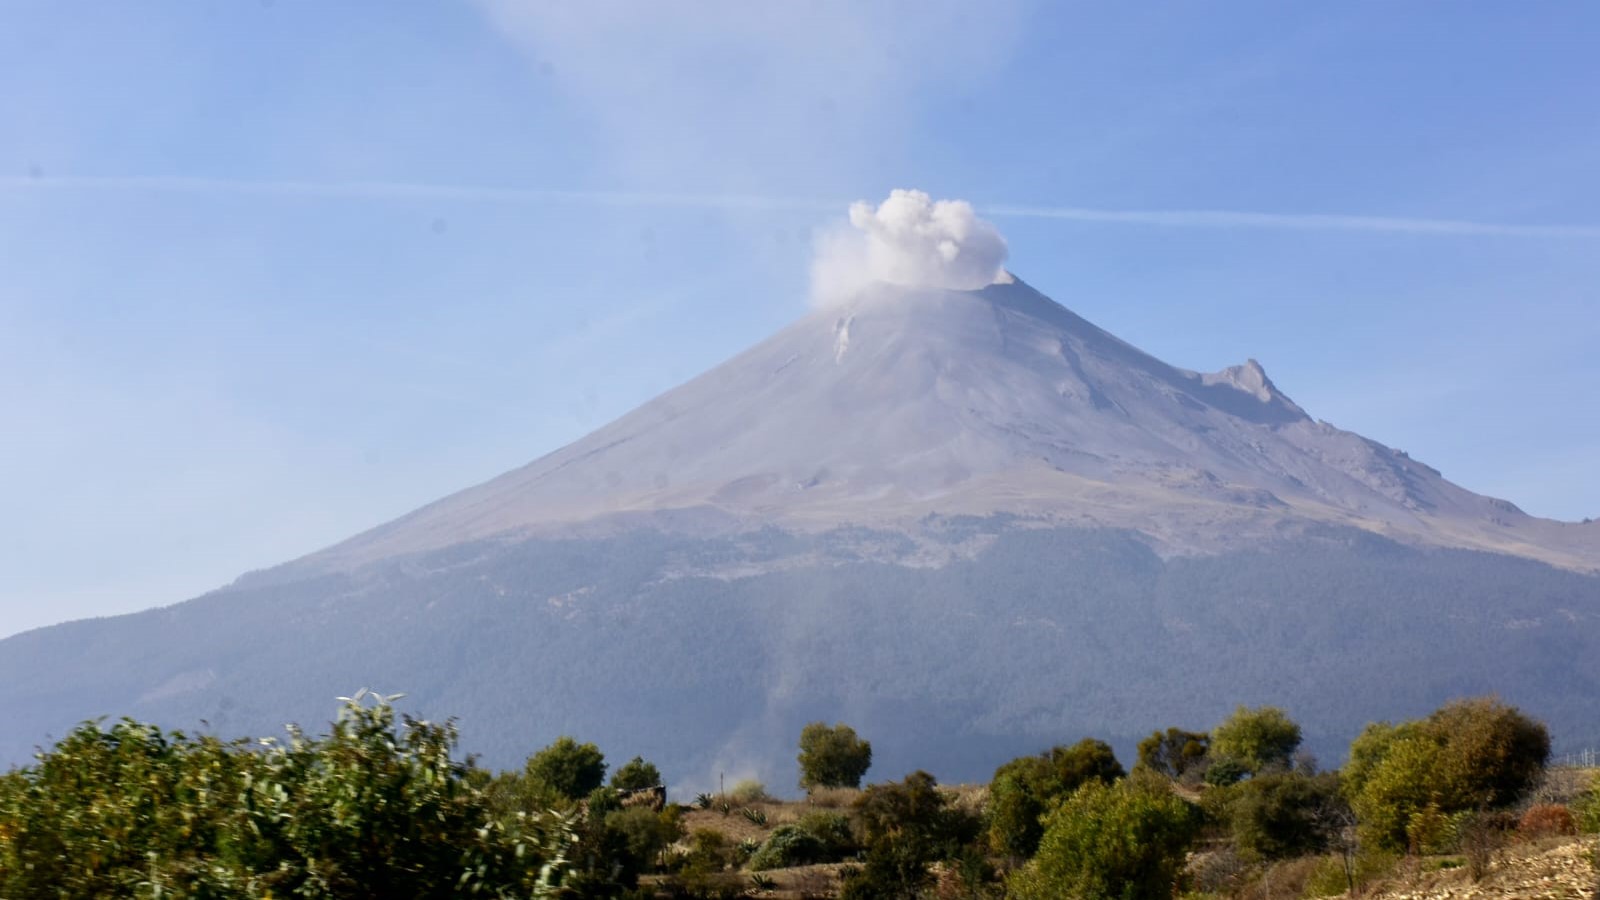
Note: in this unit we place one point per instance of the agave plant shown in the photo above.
(702, 801)
(755, 816)
(763, 883)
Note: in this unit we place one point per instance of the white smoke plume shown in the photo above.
(909, 239)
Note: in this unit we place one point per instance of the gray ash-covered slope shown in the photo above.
(969, 523)
(972, 403)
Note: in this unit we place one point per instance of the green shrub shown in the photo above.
(636, 774)
(1225, 772)
(1586, 808)
(747, 792)
(1024, 789)
(645, 832)
(1175, 752)
(1467, 755)
(1331, 878)
(906, 826)
(833, 831)
(1014, 815)
(567, 768)
(1284, 815)
(709, 851)
(788, 845)
(1123, 842)
(369, 810)
(832, 757)
(1261, 739)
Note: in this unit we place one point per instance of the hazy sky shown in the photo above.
(274, 272)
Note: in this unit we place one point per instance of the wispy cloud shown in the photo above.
(1225, 218)
(463, 193)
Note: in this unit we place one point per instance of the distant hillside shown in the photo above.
(1040, 636)
(970, 523)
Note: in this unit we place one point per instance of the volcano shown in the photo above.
(917, 402)
(970, 523)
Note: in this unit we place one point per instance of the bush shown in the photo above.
(1283, 815)
(1334, 875)
(833, 798)
(788, 845)
(1586, 808)
(567, 768)
(747, 792)
(1261, 739)
(1546, 820)
(905, 826)
(1024, 789)
(1226, 772)
(1122, 842)
(635, 775)
(833, 831)
(709, 851)
(1014, 815)
(1468, 755)
(369, 810)
(1430, 832)
(645, 832)
(1175, 752)
(832, 757)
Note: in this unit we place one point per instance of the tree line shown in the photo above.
(384, 806)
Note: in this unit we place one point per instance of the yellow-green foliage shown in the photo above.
(1260, 738)
(1586, 808)
(1026, 788)
(1331, 878)
(1468, 754)
(131, 811)
(568, 768)
(832, 757)
(1121, 842)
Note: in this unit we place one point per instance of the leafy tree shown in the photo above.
(370, 810)
(1120, 842)
(832, 757)
(1285, 814)
(567, 768)
(1225, 772)
(1024, 789)
(1262, 738)
(1468, 754)
(1174, 752)
(1088, 759)
(636, 774)
(1015, 814)
(646, 832)
(906, 826)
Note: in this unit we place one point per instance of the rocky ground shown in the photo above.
(1552, 870)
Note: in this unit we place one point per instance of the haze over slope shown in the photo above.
(966, 521)
(904, 402)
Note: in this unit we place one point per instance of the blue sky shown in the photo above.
(275, 272)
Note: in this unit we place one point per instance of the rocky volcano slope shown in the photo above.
(971, 524)
(916, 402)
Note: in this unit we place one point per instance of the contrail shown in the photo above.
(1222, 218)
(1163, 218)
